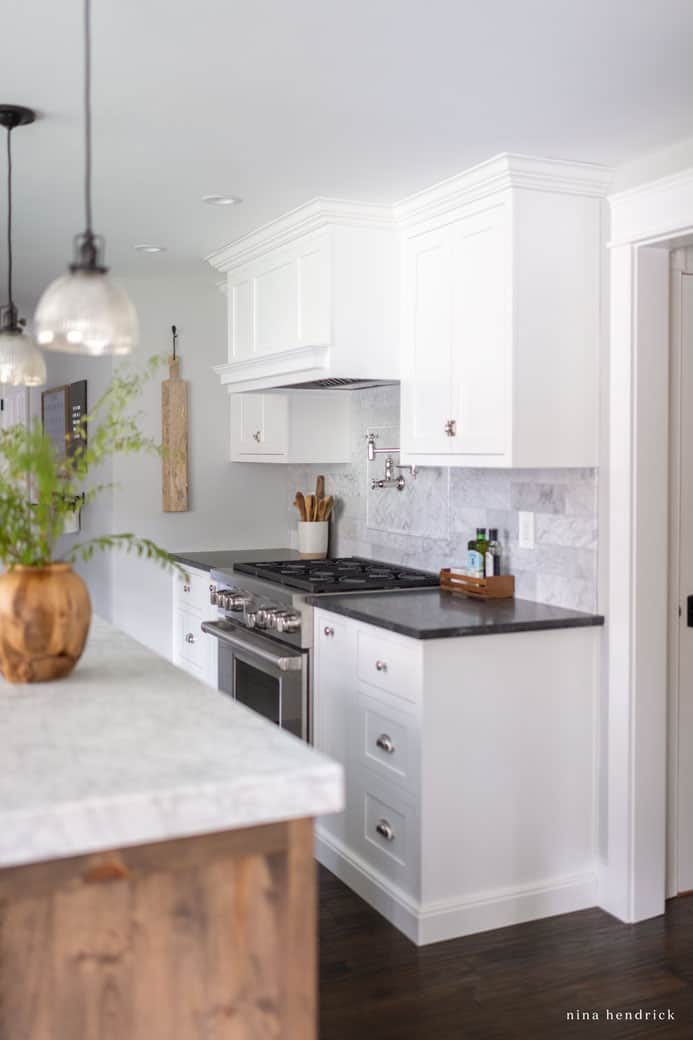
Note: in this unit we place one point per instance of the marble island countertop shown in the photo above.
(438, 614)
(129, 750)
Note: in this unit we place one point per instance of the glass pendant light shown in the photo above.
(21, 362)
(83, 311)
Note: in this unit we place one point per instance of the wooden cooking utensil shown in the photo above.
(320, 488)
(310, 507)
(326, 508)
(300, 504)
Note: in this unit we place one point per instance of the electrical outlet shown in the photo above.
(525, 537)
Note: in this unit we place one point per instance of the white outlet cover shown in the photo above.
(526, 530)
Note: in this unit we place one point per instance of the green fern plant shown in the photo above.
(39, 488)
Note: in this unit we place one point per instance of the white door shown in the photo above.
(684, 736)
(259, 425)
(426, 395)
(480, 333)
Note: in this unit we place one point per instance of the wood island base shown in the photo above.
(205, 938)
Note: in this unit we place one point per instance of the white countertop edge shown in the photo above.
(95, 825)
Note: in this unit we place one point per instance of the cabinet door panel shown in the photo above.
(275, 308)
(240, 327)
(426, 397)
(480, 335)
(314, 294)
(259, 425)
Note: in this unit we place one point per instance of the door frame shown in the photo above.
(681, 265)
(647, 223)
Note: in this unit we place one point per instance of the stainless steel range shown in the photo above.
(265, 627)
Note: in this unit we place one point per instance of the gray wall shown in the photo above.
(230, 504)
(429, 523)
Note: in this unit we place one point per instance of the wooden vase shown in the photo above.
(44, 622)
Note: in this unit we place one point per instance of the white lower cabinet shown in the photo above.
(470, 773)
(193, 650)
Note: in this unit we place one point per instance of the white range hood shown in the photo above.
(314, 300)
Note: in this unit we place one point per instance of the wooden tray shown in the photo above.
(500, 587)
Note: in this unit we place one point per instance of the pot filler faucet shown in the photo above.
(389, 480)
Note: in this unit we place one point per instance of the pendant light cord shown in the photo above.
(9, 225)
(87, 114)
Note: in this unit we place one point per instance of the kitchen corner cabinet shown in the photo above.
(193, 650)
(307, 426)
(470, 773)
(501, 317)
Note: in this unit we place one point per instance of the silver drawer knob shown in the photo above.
(186, 588)
(385, 830)
(190, 638)
(451, 428)
(381, 666)
(257, 436)
(385, 743)
(328, 630)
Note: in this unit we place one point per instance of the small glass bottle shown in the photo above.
(492, 558)
(476, 551)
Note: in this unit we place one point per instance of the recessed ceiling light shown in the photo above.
(145, 248)
(221, 200)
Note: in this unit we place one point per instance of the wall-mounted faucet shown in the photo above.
(389, 480)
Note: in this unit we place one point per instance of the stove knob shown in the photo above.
(289, 623)
(251, 618)
(238, 600)
(266, 617)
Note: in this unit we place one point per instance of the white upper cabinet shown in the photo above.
(302, 427)
(314, 295)
(501, 318)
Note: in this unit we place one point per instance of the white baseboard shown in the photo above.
(449, 919)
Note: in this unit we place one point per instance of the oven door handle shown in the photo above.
(294, 663)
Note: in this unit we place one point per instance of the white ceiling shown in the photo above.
(281, 100)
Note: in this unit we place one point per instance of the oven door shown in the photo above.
(264, 674)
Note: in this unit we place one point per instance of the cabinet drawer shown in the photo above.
(382, 828)
(389, 664)
(385, 741)
(191, 593)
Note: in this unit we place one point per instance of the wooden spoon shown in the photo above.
(326, 507)
(310, 507)
(300, 504)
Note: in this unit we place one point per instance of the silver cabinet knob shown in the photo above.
(381, 666)
(186, 588)
(451, 428)
(212, 588)
(190, 638)
(328, 630)
(385, 743)
(385, 830)
(257, 436)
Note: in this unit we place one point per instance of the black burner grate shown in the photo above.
(346, 574)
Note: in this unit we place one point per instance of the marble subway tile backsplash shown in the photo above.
(429, 523)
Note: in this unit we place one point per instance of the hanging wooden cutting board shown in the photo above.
(174, 437)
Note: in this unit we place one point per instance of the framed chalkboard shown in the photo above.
(55, 416)
(78, 409)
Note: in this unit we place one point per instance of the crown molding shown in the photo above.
(487, 178)
(312, 216)
(499, 174)
(655, 211)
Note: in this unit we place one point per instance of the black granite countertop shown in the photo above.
(437, 614)
(220, 559)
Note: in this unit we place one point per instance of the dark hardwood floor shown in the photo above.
(511, 983)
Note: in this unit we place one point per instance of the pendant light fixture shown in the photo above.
(83, 311)
(21, 362)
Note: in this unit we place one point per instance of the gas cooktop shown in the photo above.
(345, 574)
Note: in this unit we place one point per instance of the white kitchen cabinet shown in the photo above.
(470, 773)
(311, 296)
(194, 650)
(501, 317)
(302, 427)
